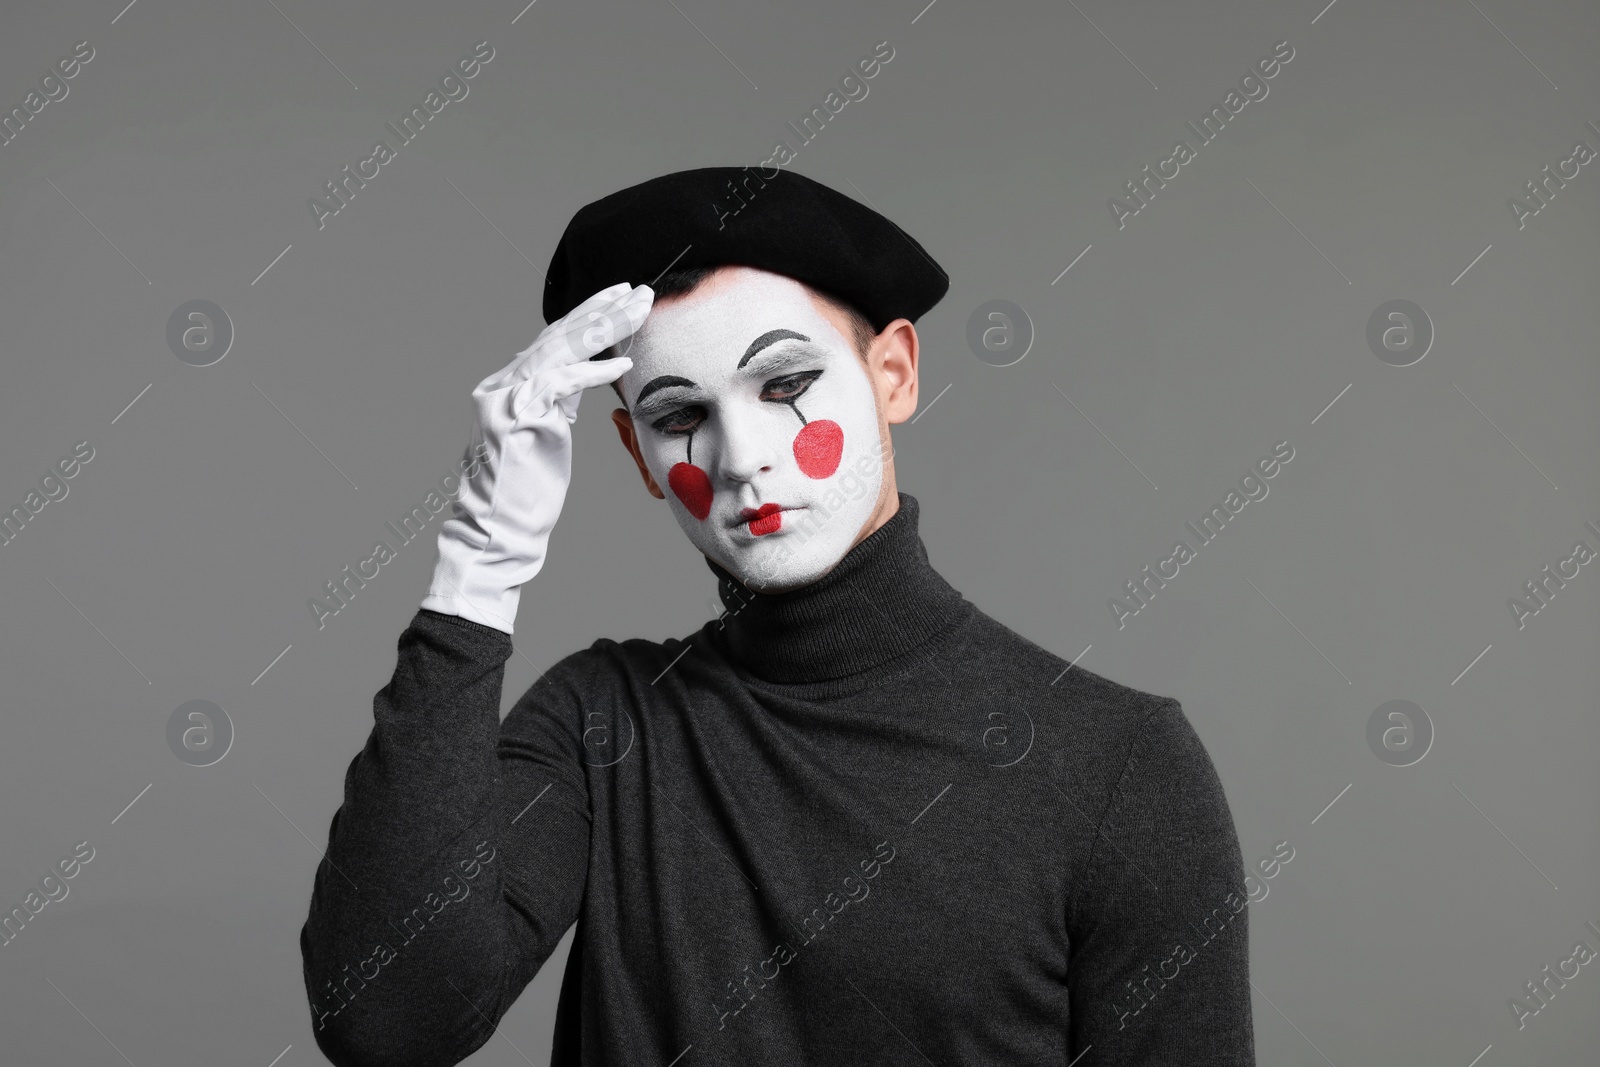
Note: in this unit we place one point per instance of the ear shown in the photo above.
(630, 441)
(893, 362)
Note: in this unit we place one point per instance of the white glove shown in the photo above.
(503, 516)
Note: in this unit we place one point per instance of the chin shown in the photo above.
(761, 573)
(781, 583)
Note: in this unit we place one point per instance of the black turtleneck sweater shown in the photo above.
(860, 822)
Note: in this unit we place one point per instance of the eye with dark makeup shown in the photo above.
(789, 387)
(783, 390)
(678, 422)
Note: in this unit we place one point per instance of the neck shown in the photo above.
(888, 507)
(882, 600)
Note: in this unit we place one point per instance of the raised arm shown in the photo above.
(436, 904)
(1160, 961)
(459, 855)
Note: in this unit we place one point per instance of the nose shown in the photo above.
(751, 441)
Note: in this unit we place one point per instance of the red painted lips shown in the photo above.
(763, 520)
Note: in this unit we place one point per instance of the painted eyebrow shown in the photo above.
(663, 382)
(771, 337)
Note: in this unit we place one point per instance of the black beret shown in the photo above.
(763, 217)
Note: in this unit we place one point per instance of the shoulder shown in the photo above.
(587, 698)
(607, 668)
(633, 657)
(1105, 740)
(1099, 710)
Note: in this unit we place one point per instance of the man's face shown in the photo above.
(759, 422)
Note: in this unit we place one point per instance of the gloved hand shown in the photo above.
(502, 518)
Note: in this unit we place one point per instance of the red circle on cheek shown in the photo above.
(818, 446)
(691, 485)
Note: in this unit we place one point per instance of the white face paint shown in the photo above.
(771, 467)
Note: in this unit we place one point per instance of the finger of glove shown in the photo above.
(521, 364)
(603, 372)
(601, 327)
(609, 295)
(601, 320)
(531, 399)
(568, 383)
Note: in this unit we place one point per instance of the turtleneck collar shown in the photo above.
(880, 601)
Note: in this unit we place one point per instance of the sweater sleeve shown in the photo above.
(1159, 966)
(457, 860)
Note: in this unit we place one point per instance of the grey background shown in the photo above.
(1211, 327)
